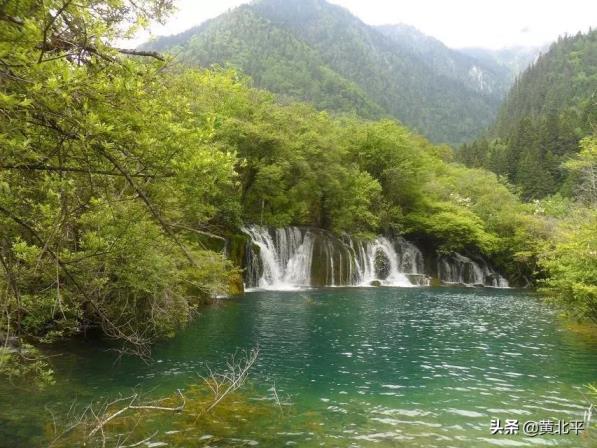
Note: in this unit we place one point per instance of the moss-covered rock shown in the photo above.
(237, 247)
(329, 251)
(235, 284)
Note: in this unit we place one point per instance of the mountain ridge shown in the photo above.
(321, 53)
(450, 62)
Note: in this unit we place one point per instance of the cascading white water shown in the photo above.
(377, 257)
(293, 258)
(411, 258)
(285, 258)
(458, 269)
(298, 267)
(498, 282)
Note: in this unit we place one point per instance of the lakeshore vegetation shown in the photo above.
(122, 173)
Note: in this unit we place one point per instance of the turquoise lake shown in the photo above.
(385, 367)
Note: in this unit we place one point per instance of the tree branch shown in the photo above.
(77, 170)
(14, 20)
(149, 205)
(107, 419)
(199, 232)
(112, 330)
(151, 54)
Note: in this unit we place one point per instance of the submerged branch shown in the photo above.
(116, 421)
(133, 398)
(225, 383)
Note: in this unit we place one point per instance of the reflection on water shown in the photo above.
(361, 367)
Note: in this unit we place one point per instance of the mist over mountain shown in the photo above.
(514, 59)
(318, 52)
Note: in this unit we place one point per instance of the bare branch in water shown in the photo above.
(276, 398)
(94, 420)
(131, 405)
(222, 384)
(140, 442)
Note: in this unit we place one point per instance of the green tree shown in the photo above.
(571, 264)
(583, 169)
(109, 182)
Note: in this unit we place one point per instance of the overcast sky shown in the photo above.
(458, 23)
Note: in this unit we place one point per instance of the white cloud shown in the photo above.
(493, 24)
(458, 23)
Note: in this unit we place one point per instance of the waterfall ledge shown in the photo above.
(293, 258)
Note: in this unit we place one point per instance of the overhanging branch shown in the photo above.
(77, 170)
(151, 54)
(14, 20)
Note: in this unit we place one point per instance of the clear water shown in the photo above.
(384, 367)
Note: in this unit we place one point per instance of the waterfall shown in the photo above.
(379, 262)
(411, 258)
(285, 258)
(292, 257)
(458, 269)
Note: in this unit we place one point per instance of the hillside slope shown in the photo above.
(548, 110)
(515, 59)
(312, 50)
(562, 79)
(484, 75)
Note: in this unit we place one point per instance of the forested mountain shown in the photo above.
(319, 52)
(548, 110)
(564, 79)
(484, 75)
(288, 66)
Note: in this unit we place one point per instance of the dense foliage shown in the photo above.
(121, 177)
(549, 109)
(571, 262)
(570, 257)
(315, 51)
(99, 213)
(544, 143)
